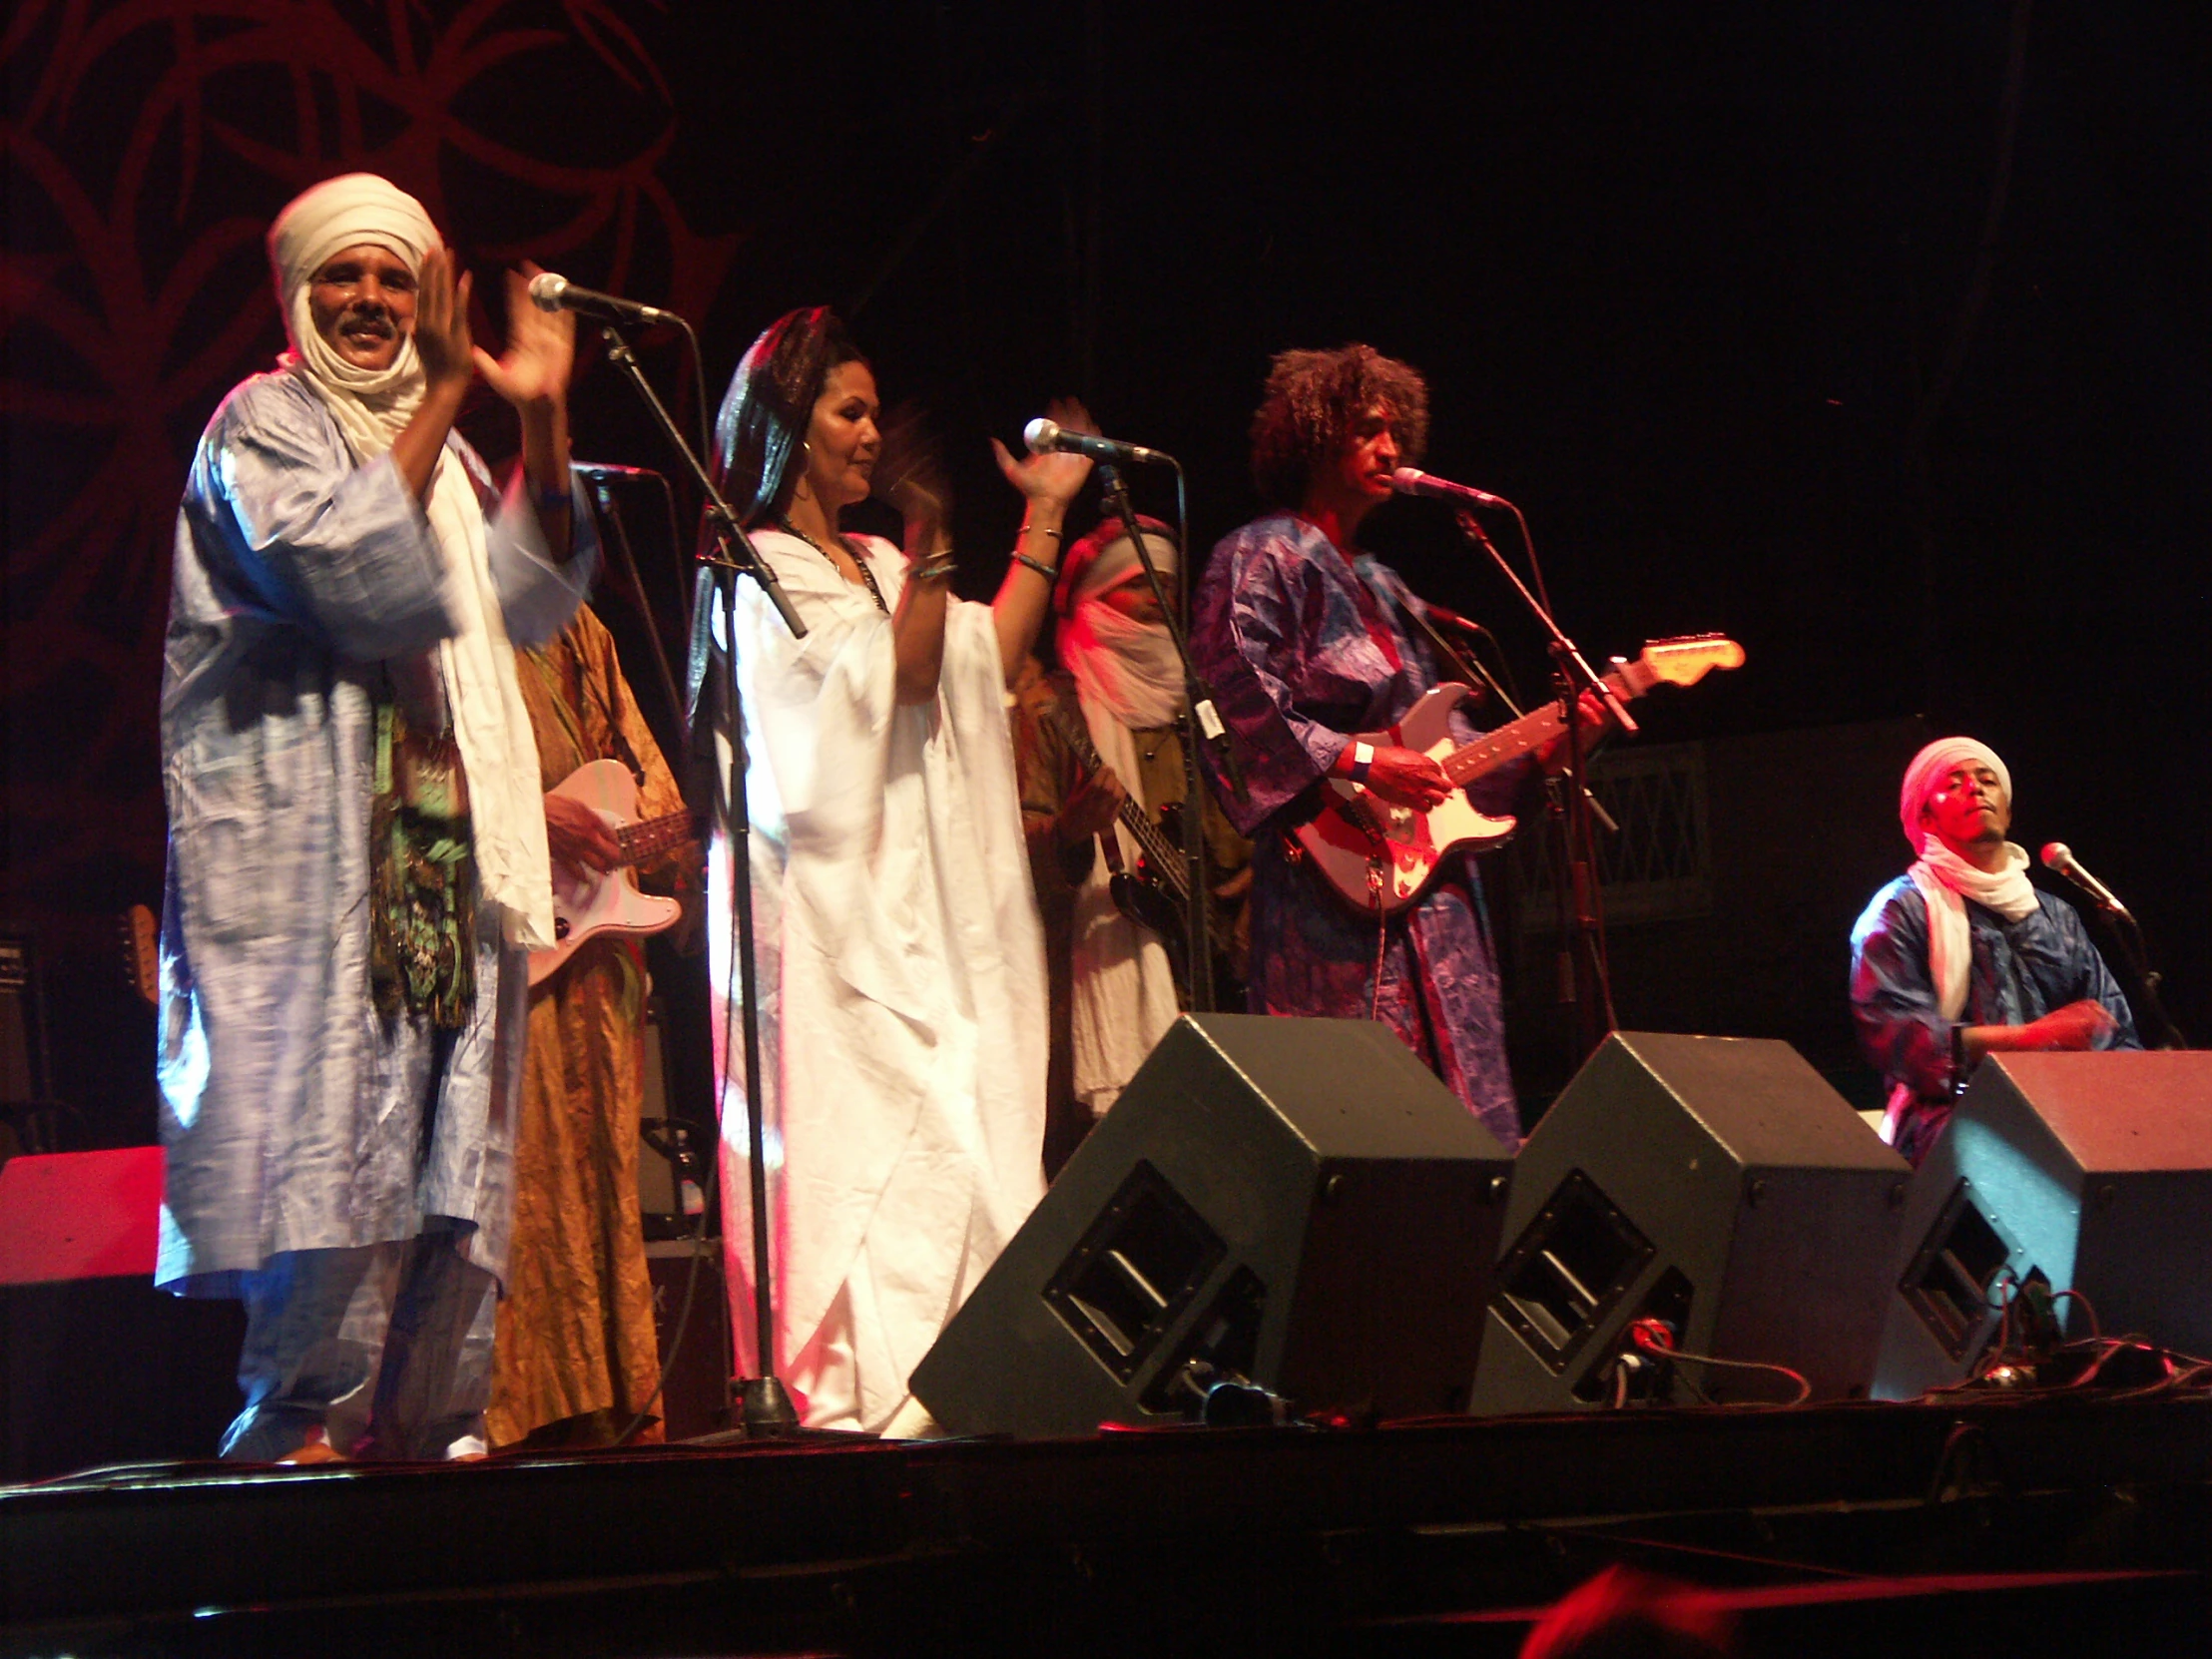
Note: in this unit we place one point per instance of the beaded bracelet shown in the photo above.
(936, 569)
(1037, 565)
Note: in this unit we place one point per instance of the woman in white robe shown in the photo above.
(899, 959)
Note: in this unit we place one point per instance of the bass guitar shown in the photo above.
(1157, 893)
(1379, 857)
(589, 901)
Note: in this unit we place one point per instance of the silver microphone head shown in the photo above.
(2058, 855)
(1408, 480)
(546, 291)
(1041, 435)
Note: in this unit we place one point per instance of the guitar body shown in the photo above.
(1379, 857)
(589, 901)
(1357, 835)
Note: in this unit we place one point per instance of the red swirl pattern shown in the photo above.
(149, 144)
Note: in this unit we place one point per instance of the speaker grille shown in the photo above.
(1134, 1271)
(1567, 1269)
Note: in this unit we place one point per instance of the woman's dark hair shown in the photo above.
(769, 406)
(1313, 398)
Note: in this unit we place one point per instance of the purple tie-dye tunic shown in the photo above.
(1303, 648)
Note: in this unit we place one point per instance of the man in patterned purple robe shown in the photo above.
(1305, 641)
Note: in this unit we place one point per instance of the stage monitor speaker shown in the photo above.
(2089, 1173)
(1715, 1183)
(1298, 1203)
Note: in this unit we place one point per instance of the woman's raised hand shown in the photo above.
(910, 478)
(1053, 476)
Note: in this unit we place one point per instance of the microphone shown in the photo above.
(1452, 619)
(611, 469)
(2059, 859)
(1048, 436)
(557, 293)
(1411, 481)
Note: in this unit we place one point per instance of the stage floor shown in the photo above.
(2075, 1524)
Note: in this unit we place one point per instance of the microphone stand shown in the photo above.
(1198, 705)
(764, 1404)
(2129, 933)
(609, 513)
(1577, 882)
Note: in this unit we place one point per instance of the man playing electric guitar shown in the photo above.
(1307, 640)
(576, 1357)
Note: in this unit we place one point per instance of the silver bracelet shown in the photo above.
(936, 569)
(1037, 565)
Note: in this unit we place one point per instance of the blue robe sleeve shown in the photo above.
(299, 535)
(1252, 639)
(537, 594)
(2095, 981)
(1901, 1029)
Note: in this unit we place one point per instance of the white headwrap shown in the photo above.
(1127, 677)
(476, 667)
(1126, 669)
(1947, 880)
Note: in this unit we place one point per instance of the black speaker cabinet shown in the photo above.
(1716, 1183)
(2088, 1172)
(1297, 1202)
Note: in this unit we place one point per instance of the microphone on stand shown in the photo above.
(557, 293)
(1049, 436)
(1444, 618)
(2059, 859)
(1409, 481)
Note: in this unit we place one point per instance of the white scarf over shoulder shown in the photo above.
(1947, 880)
(476, 669)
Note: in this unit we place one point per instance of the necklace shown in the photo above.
(866, 575)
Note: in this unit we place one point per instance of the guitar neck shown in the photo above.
(1513, 740)
(1167, 860)
(654, 836)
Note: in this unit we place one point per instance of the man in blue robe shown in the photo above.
(1305, 641)
(1961, 956)
(357, 843)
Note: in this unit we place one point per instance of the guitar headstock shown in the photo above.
(139, 935)
(1679, 661)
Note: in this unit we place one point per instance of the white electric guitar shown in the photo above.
(589, 902)
(1379, 857)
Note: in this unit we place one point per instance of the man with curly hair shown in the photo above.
(1307, 640)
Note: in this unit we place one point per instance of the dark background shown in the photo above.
(1873, 336)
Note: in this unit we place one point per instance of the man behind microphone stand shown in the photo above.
(1959, 957)
(1307, 640)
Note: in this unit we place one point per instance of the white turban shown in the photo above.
(373, 405)
(1947, 880)
(1930, 766)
